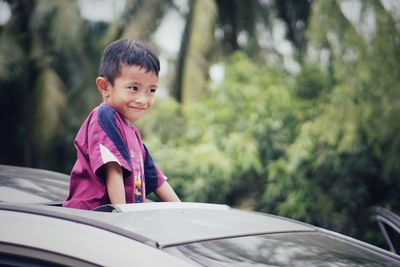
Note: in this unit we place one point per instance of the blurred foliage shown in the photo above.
(320, 145)
(344, 162)
(226, 140)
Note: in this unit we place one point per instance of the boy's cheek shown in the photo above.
(151, 102)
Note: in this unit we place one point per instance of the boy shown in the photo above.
(113, 166)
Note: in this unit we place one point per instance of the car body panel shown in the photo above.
(79, 240)
(30, 185)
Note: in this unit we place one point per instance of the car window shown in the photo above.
(16, 255)
(288, 249)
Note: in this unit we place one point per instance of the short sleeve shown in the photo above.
(106, 143)
(153, 176)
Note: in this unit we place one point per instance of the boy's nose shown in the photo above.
(140, 98)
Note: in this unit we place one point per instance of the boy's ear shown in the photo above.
(102, 86)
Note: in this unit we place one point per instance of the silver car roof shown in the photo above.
(54, 240)
(167, 224)
(30, 185)
(177, 223)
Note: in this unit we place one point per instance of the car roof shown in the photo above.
(190, 222)
(30, 185)
(167, 224)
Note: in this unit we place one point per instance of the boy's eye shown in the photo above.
(133, 88)
(153, 90)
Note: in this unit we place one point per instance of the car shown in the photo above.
(171, 234)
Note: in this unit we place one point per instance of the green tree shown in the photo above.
(48, 62)
(216, 29)
(219, 149)
(31, 86)
(138, 20)
(194, 56)
(335, 172)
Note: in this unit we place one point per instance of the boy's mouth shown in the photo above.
(137, 108)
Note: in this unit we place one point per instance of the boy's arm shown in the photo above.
(114, 183)
(166, 193)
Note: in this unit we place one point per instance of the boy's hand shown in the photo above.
(115, 183)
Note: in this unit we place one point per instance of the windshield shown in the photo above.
(288, 249)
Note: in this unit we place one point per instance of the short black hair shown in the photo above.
(129, 52)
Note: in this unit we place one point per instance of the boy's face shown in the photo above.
(133, 92)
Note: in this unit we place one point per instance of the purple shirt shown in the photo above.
(106, 136)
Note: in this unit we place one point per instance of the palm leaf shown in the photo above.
(50, 101)
(11, 57)
(62, 21)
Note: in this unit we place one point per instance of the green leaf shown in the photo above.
(50, 101)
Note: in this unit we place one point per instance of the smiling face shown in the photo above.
(133, 91)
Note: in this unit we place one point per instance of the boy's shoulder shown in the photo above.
(104, 115)
(109, 118)
(104, 118)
